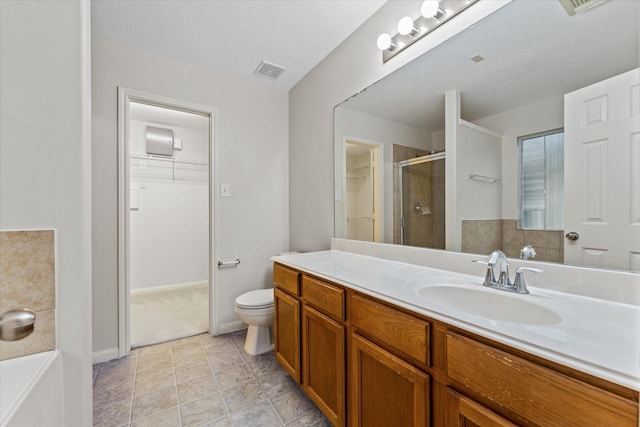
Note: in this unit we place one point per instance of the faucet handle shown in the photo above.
(489, 276)
(531, 269)
(519, 283)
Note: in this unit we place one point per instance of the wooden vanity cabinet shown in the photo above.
(310, 338)
(286, 324)
(464, 412)
(323, 347)
(369, 363)
(530, 394)
(385, 390)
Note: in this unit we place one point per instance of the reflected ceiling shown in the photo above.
(552, 52)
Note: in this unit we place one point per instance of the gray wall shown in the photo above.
(252, 156)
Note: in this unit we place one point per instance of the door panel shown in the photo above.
(602, 173)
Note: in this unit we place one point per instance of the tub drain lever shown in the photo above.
(16, 324)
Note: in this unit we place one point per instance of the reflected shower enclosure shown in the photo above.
(419, 202)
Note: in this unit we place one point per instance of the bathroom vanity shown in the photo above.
(381, 343)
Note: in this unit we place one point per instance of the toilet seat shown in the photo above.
(255, 300)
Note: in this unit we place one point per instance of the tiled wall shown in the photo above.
(401, 152)
(27, 280)
(485, 236)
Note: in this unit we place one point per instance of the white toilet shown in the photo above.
(255, 308)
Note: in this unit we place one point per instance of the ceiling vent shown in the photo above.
(576, 6)
(270, 70)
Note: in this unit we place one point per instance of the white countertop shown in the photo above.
(599, 337)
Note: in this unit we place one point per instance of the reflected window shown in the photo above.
(542, 181)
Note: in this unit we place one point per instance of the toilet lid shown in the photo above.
(256, 299)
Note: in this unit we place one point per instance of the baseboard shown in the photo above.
(204, 283)
(225, 328)
(104, 355)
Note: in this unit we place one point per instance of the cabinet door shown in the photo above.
(323, 355)
(385, 390)
(286, 332)
(464, 412)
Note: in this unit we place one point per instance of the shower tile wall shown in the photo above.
(485, 236)
(27, 280)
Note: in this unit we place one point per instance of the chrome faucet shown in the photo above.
(503, 282)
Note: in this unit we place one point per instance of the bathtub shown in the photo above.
(31, 391)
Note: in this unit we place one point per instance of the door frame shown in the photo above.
(125, 97)
(377, 177)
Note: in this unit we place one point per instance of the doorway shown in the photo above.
(166, 222)
(362, 191)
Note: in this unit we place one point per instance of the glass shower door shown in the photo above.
(422, 221)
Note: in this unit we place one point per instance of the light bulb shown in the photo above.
(405, 26)
(429, 8)
(384, 41)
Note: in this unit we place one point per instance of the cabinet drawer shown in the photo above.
(401, 331)
(531, 394)
(286, 278)
(326, 297)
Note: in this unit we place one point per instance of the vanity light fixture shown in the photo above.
(406, 27)
(433, 14)
(384, 42)
(430, 8)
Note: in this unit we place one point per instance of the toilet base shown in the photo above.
(258, 340)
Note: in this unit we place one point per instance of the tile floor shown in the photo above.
(199, 381)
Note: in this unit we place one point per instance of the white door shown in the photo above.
(602, 174)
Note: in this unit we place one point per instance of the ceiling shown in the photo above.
(533, 51)
(234, 36)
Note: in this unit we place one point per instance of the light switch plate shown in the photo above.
(225, 190)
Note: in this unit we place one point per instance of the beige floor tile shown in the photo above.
(233, 377)
(204, 410)
(154, 402)
(149, 381)
(260, 415)
(104, 395)
(223, 360)
(277, 383)
(187, 373)
(188, 341)
(115, 414)
(292, 404)
(196, 389)
(155, 363)
(223, 422)
(243, 396)
(161, 348)
(312, 419)
(168, 418)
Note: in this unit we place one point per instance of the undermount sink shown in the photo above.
(491, 304)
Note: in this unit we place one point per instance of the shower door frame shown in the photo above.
(412, 162)
(125, 97)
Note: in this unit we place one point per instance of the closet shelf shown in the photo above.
(169, 159)
(359, 166)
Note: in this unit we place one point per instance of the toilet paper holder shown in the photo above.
(228, 263)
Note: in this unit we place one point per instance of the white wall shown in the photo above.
(351, 67)
(169, 228)
(538, 117)
(251, 156)
(45, 163)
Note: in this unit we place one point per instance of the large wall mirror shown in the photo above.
(521, 133)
